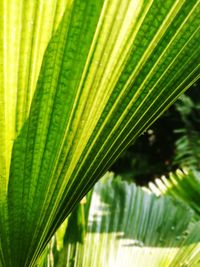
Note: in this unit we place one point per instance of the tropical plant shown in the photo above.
(188, 145)
(80, 80)
(181, 185)
(119, 224)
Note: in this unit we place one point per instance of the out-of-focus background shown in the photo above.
(172, 142)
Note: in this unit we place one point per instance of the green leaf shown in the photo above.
(187, 151)
(110, 69)
(25, 30)
(129, 227)
(188, 255)
(181, 185)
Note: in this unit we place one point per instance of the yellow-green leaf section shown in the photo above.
(26, 28)
(111, 68)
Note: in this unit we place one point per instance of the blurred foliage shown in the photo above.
(188, 145)
(181, 185)
(120, 224)
(172, 142)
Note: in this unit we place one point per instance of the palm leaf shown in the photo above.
(110, 69)
(126, 226)
(182, 185)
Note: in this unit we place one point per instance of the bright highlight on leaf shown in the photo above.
(111, 67)
(184, 186)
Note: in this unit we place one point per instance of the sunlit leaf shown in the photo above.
(110, 69)
(181, 185)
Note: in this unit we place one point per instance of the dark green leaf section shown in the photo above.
(126, 226)
(31, 190)
(109, 71)
(181, 185)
